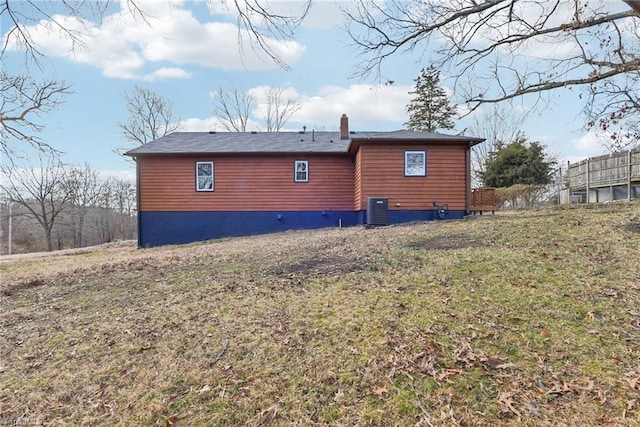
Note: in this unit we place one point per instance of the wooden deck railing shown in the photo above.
(603, 171)
(484, 200)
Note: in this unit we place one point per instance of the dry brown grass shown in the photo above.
(524, 319)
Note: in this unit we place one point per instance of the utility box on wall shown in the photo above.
(377, 211)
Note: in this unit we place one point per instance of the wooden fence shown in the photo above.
(614, 176)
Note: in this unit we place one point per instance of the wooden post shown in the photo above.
(629, 171)
(588, 180)
(10, 237)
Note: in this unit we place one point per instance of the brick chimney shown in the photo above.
(344, 127)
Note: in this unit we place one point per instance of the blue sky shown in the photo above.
(189, 50)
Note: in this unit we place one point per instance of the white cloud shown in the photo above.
(293, 9)
(167, 73)
(589, 143)
(261, 93)
(51, 40)
(197, 125)
(126, 47)
(369, 108)
(321, 13)
(123, 174)
(327, 14)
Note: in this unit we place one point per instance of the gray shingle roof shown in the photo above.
(279, 142)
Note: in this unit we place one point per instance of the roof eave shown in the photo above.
(355, 142)
(232, 153)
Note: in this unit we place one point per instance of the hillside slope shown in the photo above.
(524, 319)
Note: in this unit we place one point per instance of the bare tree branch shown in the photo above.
(22, 100)
(261, 22)
(279, 109)
(633, 4)
(68, 17)
(499, 50)
(150, 116)
(232, 108)
(498, 126)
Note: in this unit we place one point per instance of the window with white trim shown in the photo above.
(204, 176)
(301, 171)
(415, 163)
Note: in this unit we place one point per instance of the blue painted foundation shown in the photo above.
(170, 228)
(401, 217)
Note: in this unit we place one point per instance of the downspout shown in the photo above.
(139, 222)
(467, 178)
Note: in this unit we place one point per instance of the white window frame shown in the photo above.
(298, 163)
(200, 178)
(413, 167)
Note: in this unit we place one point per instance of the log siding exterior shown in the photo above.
(257, 183)
(381, 173)
(255, 191)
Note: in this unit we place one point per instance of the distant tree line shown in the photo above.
(57, 207)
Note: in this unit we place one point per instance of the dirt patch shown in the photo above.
(633, 227)
(442, 243)
(321, 267)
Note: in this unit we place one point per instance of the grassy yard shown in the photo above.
(523, 319)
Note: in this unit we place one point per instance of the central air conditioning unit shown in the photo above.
(377, 211)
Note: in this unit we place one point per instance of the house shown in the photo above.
(202, 185)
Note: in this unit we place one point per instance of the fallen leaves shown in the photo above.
(505, 399)
(563, 387)
(172, 421)
(380, 391)
(266, 416)
(337, 327)
(632, 378)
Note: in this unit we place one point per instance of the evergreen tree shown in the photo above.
(518, 163)
(429, 110)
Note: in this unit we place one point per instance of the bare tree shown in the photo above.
(39, 190)
(232, 108)
(497, 125)
(22, 100)
(278, 109)
(104, 218)
(124, 202)
(83, 188)
(21, 97)
(150, 116)
(498, 50)
(115, 214)
(614, 112)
